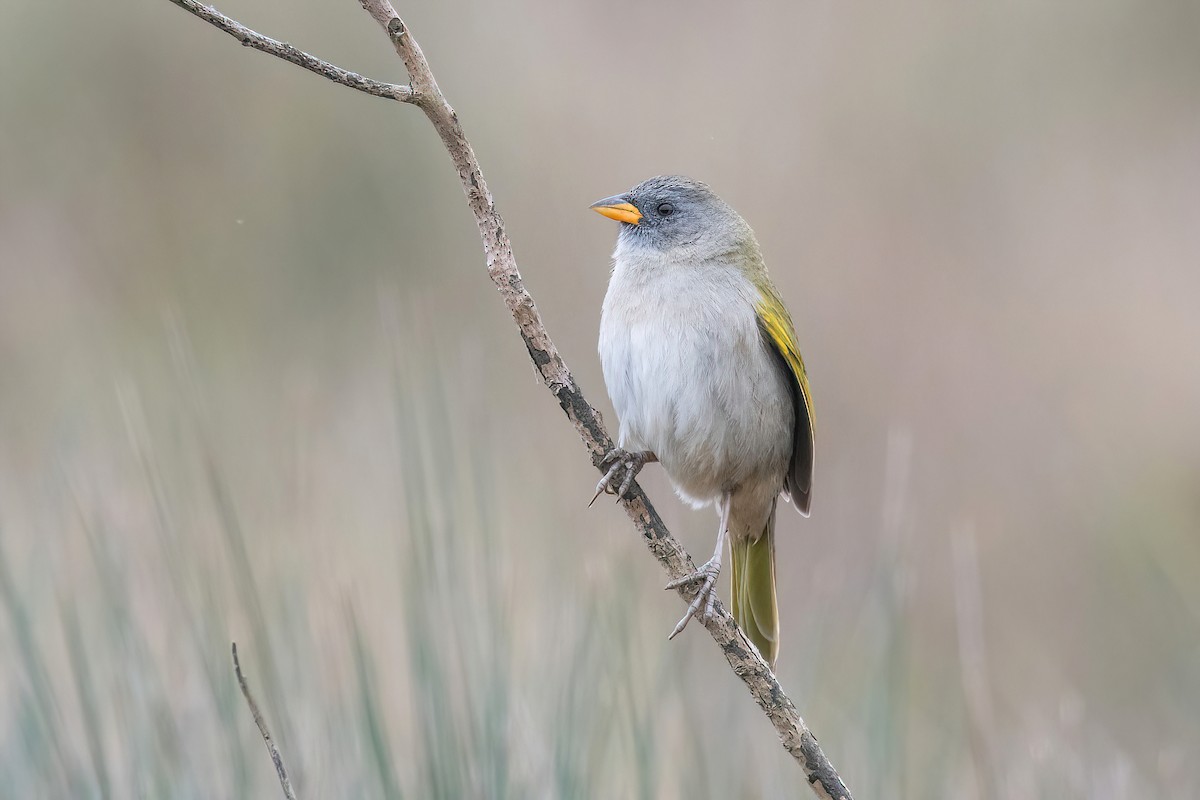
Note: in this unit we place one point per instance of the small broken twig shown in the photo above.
(288, 791)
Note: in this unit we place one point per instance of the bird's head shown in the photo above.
(672, 211)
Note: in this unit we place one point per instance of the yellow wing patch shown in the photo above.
(777, 328)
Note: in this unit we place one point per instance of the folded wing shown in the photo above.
(779, 333)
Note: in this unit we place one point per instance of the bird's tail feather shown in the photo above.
(754, 604)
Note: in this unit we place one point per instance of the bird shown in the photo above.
(700, 360)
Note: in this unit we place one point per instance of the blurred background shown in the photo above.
(255, 386)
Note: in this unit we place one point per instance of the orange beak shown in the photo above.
(618, 208)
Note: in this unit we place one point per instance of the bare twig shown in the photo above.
(287, 52)
(745, 660)
(288, 792)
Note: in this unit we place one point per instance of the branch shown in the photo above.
(287, 52)
(743, 658)
(288, 792)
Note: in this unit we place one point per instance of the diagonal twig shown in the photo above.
(743, 658)
(288, 791)
(287, 52)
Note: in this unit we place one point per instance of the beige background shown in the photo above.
(254, 383)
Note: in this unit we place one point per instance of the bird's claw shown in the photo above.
(620, 459)
(705, 597)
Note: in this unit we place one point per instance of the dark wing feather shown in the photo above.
(778, 332)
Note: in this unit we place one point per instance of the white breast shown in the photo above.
(690, 376)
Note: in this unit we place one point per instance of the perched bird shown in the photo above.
(701, 362)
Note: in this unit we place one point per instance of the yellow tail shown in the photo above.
(754, 604)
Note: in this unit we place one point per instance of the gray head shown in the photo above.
(672, 211)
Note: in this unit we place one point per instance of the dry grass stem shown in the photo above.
(276, 758)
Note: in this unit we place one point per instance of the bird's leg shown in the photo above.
(621, 459)
(706, 595)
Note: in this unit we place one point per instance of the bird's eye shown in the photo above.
(665, 209)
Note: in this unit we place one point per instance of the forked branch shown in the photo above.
(747, 664)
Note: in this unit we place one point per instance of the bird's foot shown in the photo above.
(621, 460)
(706, 595)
